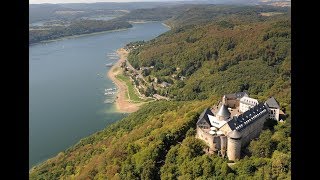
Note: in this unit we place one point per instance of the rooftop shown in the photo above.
(272, 102)
(248, 117)
(233, 111)
(234, 134)
(236, 95)
(223, 111)
(204, 115)
(215, 122)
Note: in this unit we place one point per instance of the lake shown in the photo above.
(67, 80)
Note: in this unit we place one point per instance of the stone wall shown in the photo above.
(253, 130)
(250, 132)
(207, 138)
(232, 103)
(223, 147)
(225, 128)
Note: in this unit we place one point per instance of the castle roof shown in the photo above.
(204, 115)
(272, 103)
(234, 134)
(243, 120)
(215, 122)
(223, 111)
(236, 95)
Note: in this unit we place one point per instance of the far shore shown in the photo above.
(80, 35)
(121, 102)
(95, 33)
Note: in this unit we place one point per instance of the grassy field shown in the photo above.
(132, 94)
(271, 13)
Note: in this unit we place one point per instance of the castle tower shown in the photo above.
(223, 113)
(234, 145)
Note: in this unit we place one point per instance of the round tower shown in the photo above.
(223, 113)
(234, 145)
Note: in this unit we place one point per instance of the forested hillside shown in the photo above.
(191, 14)
(201, 14)
(229, 54)
(202, 61)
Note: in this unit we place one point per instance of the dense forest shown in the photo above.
(189, 14)
(236, 52)
(75, 28)
(158, 142)
(233, 53)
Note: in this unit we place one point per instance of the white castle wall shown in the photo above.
(274, 114)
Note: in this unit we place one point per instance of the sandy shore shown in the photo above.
(122, 103)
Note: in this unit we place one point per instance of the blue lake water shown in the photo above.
(67, 79)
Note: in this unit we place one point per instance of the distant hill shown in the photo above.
(38, 12)
(191, 14)
(199, 14)
(41, 12)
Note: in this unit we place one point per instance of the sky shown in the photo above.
(88, 1)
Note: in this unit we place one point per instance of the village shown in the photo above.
(144, 87)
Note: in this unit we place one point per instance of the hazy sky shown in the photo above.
(87, 1)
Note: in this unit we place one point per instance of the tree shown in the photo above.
(149, 170)
(264, 146)
(280, 164)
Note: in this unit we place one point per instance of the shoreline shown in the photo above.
(166, 25)
(122, 103)
(94, 33)
(75, 36)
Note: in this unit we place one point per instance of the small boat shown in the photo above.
(113, 57)
(109, 93)
(109, 89)
(109, 64)
(107, 101)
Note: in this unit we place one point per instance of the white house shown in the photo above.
(247, 103)
(274, 108)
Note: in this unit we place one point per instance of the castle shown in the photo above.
(234, 122)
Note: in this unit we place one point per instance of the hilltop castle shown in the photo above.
(234, 122)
